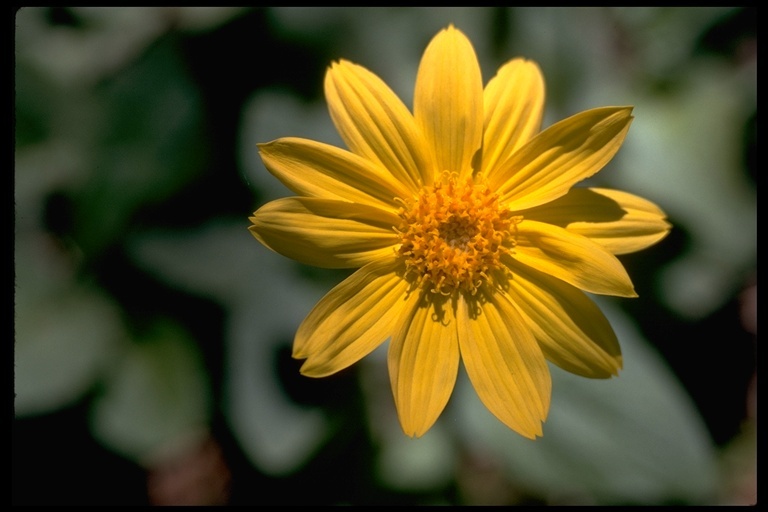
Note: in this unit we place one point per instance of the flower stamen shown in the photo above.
(453, 234)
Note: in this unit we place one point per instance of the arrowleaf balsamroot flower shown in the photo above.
(472, 243)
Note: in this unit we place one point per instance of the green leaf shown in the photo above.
(64, 342)
(266, 301)
(635, 439)
(156, 398)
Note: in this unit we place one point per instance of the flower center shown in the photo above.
(453, 235)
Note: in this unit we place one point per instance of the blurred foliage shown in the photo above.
(149, 324)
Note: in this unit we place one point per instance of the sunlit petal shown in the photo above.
(325, 233)
(618, 221)
(504, 363)
(572, 258)
(351, 320)
(514, 104)
(315, 169)
(565, 153)
(572, 331)
(375, 124)
(448, 101)
(473, 243)
(423, 363)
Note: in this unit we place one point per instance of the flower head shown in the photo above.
(472, 242)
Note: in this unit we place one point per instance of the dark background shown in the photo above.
(195, 174)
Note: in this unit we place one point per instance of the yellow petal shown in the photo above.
(571, 258)
(504, 363)
(514, 103)
(375, 124)
(314, 169)
(570, 328)
(565, 153)
(325, 233)
(423, 363)
(448, 101)
(351, 320)
(618, 221)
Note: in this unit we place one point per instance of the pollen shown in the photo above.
(453, 235)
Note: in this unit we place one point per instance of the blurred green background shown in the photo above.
(152, 332)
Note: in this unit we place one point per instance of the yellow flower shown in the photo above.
(472, 243)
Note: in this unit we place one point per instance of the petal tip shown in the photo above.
(312, 369)
(414, 433)
(532, 434)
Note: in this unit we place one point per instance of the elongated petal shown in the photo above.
(448, 101)
(570, 328)
(314, 169)
(565, 153)
(423, 364)
(351, 320)
(514, 103)
(375, 124)
(618, 221)
(504, 363)
(325, 233)
(571, 258)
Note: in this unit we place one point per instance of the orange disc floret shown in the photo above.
(453, 234)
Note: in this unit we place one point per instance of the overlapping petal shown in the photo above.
(353, 319)
(514, 104)
(505, 317)
(504, 363)
(571, 330)
(571, 258)
(618, 221)
(562, 155)
(324, 232)
(315, 169)
(423, 362)
(448, 101)
(375, 124)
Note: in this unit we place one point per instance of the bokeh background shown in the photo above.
(152, 332)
